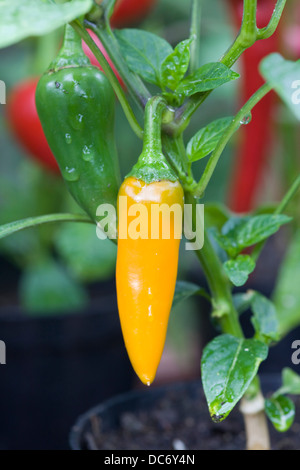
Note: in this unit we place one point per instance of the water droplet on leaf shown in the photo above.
(87, 154)
(246, 119)
(71, 174)
(68, 138)
(77, 121)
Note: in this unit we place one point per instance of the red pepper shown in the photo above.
(93, 59)
(254, 147)
(25, 125)
(129, 12)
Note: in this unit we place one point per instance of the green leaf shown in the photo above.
(144, 53)
(22, 19)
(208, 77)
(238, 270)
(228, 366)
(283, 75)
(89, 258)
(286, 296)
(242, 301)
(48, 289)
(175, 66)
(241, 232)
(185, 289)
(290, 381)
(216, 215)
(281, 412)
(265, 319)
(206, 139)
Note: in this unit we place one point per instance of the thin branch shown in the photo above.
(111, 77)
(265, 33)
(17, 226)
(248, 34)
(235, 124)
(195, 34)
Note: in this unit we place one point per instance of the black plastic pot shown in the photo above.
(161, 418)
(57, 367)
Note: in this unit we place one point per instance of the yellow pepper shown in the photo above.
(146, 272)
(149, 232)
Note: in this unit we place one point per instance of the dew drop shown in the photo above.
(68, 138)
(246, 119)
(71, 174)
(78, 121)
(87, 154)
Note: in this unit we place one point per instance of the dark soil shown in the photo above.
(177, 418)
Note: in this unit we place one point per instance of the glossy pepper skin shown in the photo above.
(75, 103)
(253, 151)
(147, 266)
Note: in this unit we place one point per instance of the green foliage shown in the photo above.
(175, 66)
(20, 20)
(290, 382)
(228, 366)
(241, 232)
(283, 75)
(87, 257)
(207, 77)
(280, 409)
(144, 53)
(238, 269)
(185, 289)
(216, 215)
(155, 61)
(206, 139)
(265, 319)
(287, 293)
(47, 288)
(281, 412)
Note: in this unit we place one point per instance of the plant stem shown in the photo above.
(256, 425)
(111, 77)
(288, 197)
(266, 32)
(225, 312)
(134, 84)
(174, 150)
(223, 308)
(195, 34)
(232, 128)
(152, 126)
(247, 36)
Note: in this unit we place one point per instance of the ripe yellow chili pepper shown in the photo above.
(146, 277)
(151, 201)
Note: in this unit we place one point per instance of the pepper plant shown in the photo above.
(180, 83)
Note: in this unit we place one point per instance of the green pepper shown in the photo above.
(76, 106)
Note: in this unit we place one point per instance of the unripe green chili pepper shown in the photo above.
(75, 103)
(147, 265)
